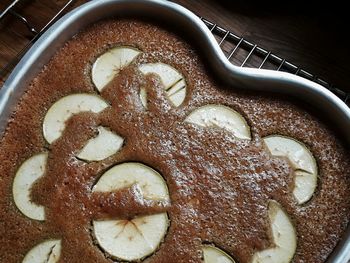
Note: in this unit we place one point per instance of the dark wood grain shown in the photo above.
(14, 35)
(314, 38)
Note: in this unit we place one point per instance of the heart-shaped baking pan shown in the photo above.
(183, 22)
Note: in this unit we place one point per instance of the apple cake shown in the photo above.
(126, 147)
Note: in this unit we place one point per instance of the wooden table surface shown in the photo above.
(312, 38)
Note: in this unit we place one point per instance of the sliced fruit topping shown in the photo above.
(139, 237)
(283, 235)
(222, 117)
(173, 81)
(125, 175)
(212, 254)
(105, 144)
(131, 239)
(108, 65)
(302, 160)
(66, 107)
(30, 171)
(46, 252)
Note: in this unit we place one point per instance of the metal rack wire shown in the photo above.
(244, 53)
(35, 33)
(238, 50)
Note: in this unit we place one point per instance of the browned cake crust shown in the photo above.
(219, 185)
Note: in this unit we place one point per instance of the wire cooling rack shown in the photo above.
(9, 19)
(244, 53)
(238, 50)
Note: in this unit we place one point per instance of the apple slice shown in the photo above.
(105, 144)
(283, 235)
(66, 107)
(48, 251)
(134, 239)
(302, 160)
(222, 117)
(108, 65)
(174, 82)
(143, 97)
(139, 237)
(30, 171)
(212, 254)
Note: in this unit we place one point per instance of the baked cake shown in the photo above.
(126, 148)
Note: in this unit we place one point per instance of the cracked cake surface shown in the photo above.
(219, 185)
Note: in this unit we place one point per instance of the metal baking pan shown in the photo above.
(184, 22)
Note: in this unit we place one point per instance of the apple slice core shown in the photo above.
(108, 65)
(133, 239)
